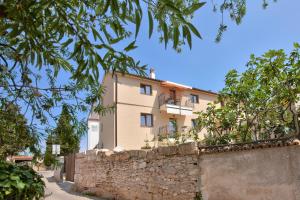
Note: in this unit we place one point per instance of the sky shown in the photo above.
(206, 64)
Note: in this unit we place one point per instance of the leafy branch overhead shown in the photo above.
(236, 10)
(52, 52)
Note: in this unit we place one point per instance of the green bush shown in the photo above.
(20, 182)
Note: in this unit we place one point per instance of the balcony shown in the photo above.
(175, 106)
(171, 135)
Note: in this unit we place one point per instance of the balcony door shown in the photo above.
(172, 99)
(172, 127)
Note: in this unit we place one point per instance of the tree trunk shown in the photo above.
(2, 11)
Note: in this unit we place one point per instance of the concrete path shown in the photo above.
(61, 191)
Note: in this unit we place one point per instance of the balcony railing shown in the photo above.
(175, 106)
(167, 131)
(167, 99)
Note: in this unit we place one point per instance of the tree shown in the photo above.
(258, 104)
(15, 135)
(66, 133)
(49, 158)
(53, 51)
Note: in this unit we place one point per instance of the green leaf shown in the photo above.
(137, 22)
(193, 8)
(187, 35)
(95, 33)
(20, 185)
(130, 47)
(7, 192)
(124, 11)
(114, 7)
(15, 178)
(3, 176)
(137, 3)
(32, 57)
(116, 40)
(194, 30)
(170, 5)
(175, 36)
(66, 43)
(150, 18)
(106, 7)
(165, 30)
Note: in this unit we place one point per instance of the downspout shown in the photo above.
(116, 113)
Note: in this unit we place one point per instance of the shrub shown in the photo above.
(20, 182)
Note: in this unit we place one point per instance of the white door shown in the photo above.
(93, 134)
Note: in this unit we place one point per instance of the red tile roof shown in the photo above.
(25, 158)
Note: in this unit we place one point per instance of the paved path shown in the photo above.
(61, 191)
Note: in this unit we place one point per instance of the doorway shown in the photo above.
(172, 97)
(172, 127)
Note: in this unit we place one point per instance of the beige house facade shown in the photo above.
(146, 109)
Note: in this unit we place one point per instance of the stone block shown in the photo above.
(134, 154)
(151, 155)
(188, 148)
(123, 156)
(167, 151)
(142, 154)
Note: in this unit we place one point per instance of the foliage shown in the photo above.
(49, 158)
(147, 145)
(20, 182)
(236, 9)
(66, 134)
(16, 136)
(258, 104)
(175, 136)
(198, 196)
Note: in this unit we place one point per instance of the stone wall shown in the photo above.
(183, 172)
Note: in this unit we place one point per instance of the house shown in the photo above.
(146, 109)
(21, 160)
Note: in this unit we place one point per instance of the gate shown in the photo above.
(70, 167)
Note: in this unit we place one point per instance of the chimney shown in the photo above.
(152, 73)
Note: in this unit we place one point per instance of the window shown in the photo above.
(146, 89)
(194, 98)
(146, 120)
(94, 128)
(194, 123)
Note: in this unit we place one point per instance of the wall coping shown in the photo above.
(273, 143)
(150, 154)
(192, 148)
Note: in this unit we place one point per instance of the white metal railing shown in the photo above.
(168, 131)
(167, 99)
(168, 136)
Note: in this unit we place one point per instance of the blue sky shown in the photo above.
(206, 65)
